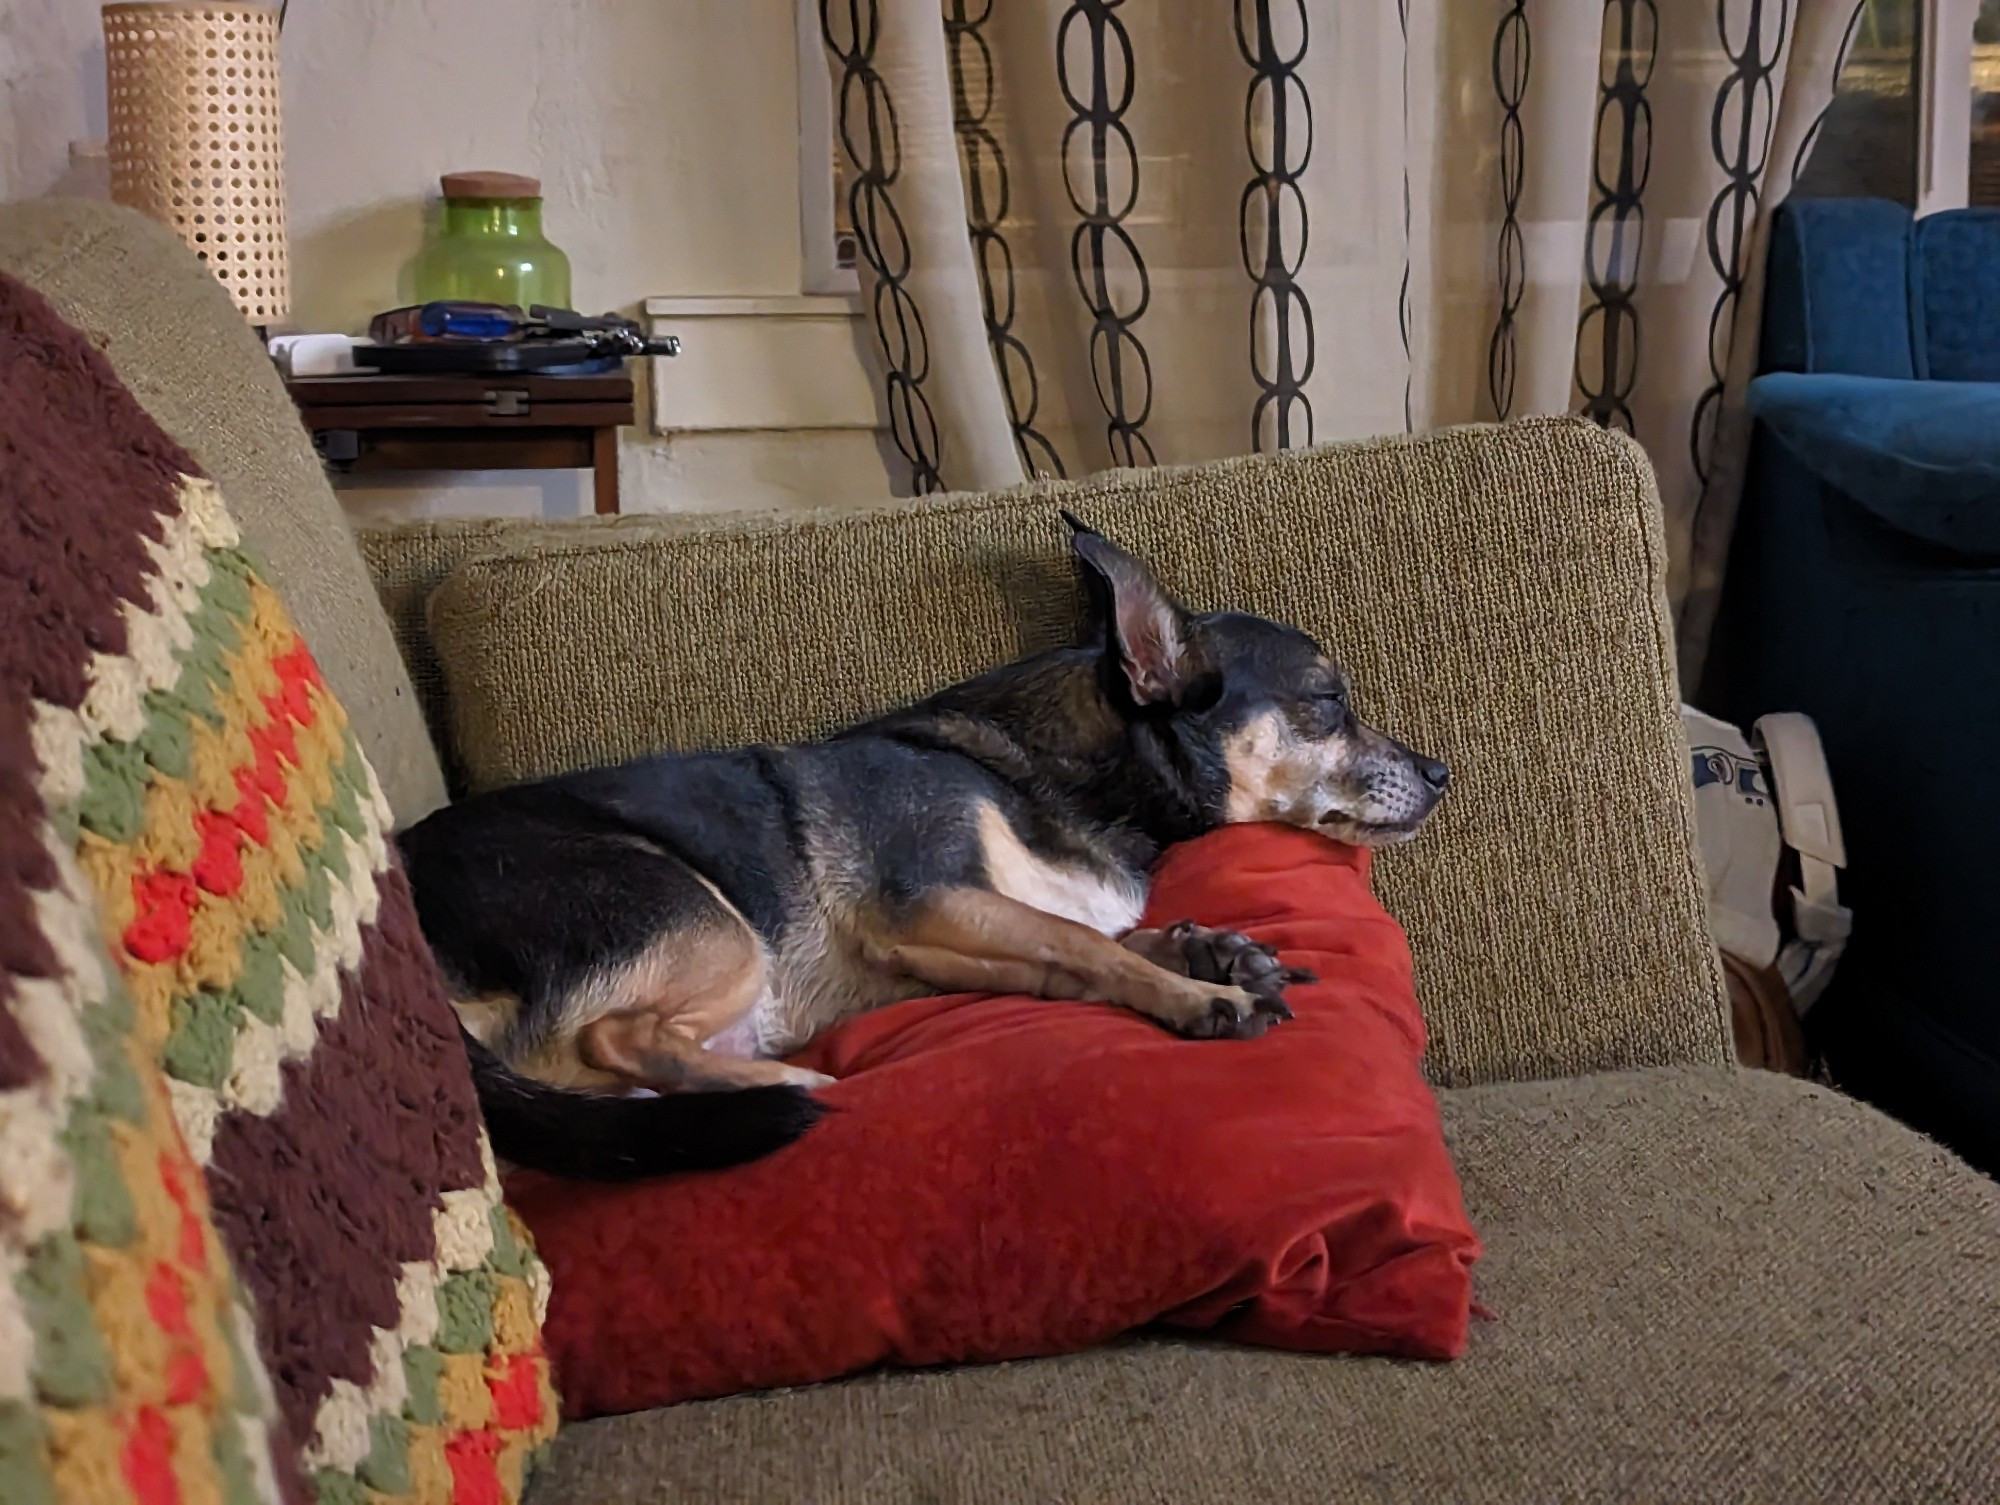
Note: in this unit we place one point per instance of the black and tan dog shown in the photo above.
(678, 923)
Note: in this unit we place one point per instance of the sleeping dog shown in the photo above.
(679, 924)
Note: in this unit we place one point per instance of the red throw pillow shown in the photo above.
(1006, 1177)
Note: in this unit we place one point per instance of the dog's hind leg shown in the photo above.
(684, 991)
(586, 956)
(643, 1047)
(644, 1022)
(977, 940)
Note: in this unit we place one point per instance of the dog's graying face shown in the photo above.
(1258, 714)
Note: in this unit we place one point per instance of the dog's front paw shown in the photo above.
(1231, 1015)
(1230, 957)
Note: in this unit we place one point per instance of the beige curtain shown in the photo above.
(1121, 232)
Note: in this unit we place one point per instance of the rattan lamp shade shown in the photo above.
(197, 138)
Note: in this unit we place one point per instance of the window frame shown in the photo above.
(1944, 109)
(826, 252)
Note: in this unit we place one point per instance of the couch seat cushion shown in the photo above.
(1707, 1285)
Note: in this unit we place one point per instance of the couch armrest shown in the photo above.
(1922, 456)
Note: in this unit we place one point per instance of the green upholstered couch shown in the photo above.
(1707, 1283)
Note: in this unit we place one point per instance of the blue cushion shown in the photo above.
(1959, 253)
(1837, 290)
(1923, 456)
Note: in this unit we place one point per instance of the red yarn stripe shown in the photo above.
(165, 902)
(517, 1393)
(475, 1475)
(218, 869)
(148, 1459)
(193, 1251)
(166, 1299)
(187, 1378)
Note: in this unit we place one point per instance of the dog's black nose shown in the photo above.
(1434, 773)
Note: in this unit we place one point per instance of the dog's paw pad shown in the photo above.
(1232, 958)
(1225, 1019)
(1264, 1013)
(1234, 1015)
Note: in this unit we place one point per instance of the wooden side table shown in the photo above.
(491, 422)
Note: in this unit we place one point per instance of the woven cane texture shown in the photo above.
(1496, 592)
(197, 138)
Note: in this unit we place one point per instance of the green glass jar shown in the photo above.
(488, 246)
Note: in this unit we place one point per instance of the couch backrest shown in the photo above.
(1958, 260)
(1857, 287)
(409, 561)
(1838, 292)
(1497, 591)
(181, 348)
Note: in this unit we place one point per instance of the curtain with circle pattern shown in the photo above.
(1104, 233)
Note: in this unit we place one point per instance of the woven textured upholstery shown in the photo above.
(1495, 590)
(410, 560)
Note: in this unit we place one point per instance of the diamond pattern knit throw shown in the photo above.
(252, 1246)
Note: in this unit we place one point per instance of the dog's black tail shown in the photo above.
(586, 1136)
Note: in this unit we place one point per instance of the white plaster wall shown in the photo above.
(665, 136)
(51, 90)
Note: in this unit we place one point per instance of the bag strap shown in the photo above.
(1809, 820)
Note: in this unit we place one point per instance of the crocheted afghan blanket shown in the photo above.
(252, 1246)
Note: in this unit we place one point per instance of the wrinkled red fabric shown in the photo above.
(1003, 1177)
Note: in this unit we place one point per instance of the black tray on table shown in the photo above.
(477, 357)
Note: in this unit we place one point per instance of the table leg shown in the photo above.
(604, 469)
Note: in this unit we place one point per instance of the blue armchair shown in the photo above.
(1864, 590)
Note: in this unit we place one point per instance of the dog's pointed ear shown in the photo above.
(1131, 612)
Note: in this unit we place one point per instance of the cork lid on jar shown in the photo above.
(489, 185)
